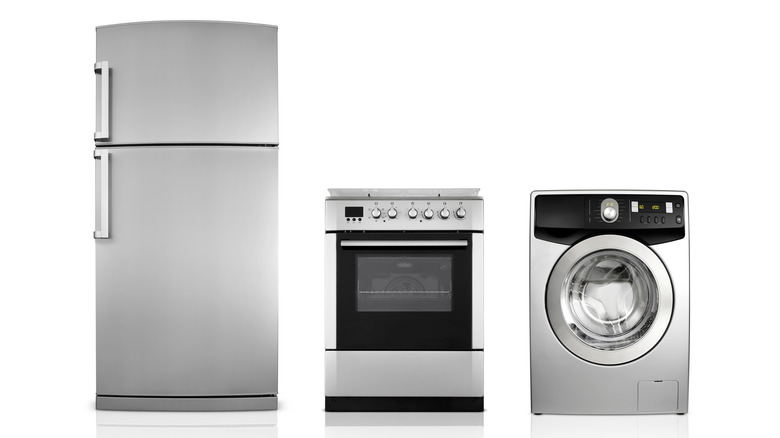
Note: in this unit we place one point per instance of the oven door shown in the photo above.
(402, 291)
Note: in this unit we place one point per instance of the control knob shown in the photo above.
(444, 213)
(376, 213)
(392, 213)
(610, 214)
(412, 213)
(460, 213)
(428, 213)
(609, 210)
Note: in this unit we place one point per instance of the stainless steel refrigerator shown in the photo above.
(186, 148)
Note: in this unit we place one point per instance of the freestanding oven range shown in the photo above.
(403, 300)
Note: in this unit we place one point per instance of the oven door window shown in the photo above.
(394, 297)
(404, 283)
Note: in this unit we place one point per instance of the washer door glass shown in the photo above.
(612, 299)
(609, 299)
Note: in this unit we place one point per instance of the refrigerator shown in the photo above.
(186, 216)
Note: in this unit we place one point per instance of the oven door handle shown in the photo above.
(407, 243)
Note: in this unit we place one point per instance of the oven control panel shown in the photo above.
(403, 214)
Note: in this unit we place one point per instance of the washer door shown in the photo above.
(609, 299)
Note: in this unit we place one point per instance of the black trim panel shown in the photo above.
(568, 219)
(404, 404)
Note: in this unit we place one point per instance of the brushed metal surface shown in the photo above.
(561, 382)
(193, 404)
(404, 373)
(335, 219)
(191, 82)
(403, 193)
(187, 283)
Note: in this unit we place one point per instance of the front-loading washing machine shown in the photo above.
(609, 302)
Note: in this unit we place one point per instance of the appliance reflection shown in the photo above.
(112, 424)
(406, 424)
(625, 426)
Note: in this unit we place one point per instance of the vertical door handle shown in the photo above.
(101, 68)
(101, 197)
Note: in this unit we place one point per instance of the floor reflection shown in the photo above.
(404, 424)
(625, 426)
(121, 424)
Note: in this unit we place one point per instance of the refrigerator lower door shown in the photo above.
(187, 279)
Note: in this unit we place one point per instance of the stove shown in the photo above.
(404, 300)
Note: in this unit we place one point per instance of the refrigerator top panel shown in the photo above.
(186, 82)
(142, 23)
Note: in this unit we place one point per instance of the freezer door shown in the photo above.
(187, 278)
(186, 82)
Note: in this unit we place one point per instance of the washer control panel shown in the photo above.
(639, 211)
(652, 217)
(403, 214)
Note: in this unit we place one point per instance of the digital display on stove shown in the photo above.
(353, 211)
(651, 207)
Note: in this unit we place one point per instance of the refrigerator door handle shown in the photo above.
(101, 198)
(101, 68)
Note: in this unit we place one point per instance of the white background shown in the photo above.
(505, 96)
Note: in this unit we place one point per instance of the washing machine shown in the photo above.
(609, 302)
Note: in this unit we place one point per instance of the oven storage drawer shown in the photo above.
(404, 373)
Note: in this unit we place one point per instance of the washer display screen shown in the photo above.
(651, 207)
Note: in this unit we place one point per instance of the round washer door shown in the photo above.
(609, 299)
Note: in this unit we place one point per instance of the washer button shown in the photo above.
(679, 219)
(663, 219)
(655, 219)
(641, 219)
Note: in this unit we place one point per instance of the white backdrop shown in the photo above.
(506, 96)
